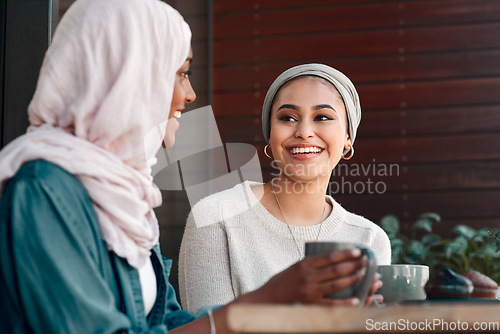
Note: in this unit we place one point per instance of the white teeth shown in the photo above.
(305, 150)
(177, 114)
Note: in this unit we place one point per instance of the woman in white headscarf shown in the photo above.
(79, 246)
(247, 234)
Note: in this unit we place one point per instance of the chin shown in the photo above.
(169, 141)
(305, 178)
(306, 170)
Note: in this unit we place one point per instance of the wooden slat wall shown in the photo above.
(428, 75)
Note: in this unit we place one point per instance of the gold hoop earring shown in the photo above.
(265, 152)
(350, 155)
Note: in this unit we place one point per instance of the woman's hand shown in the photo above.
(377, 284)
(311, 279)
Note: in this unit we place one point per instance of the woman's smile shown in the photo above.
(304, 151)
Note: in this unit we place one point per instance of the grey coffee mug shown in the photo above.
(359, 289)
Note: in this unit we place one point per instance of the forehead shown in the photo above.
(308, 88)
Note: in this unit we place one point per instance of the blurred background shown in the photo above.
(427, 72)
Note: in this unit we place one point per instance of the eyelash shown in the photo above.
(185, 74)
(287, 118)
(323, 118)
(320, 118)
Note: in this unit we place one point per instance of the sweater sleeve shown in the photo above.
(382, 246)
(52, 275)
(204, 268)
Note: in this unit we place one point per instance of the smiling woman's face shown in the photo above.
(182, 95)
(308, 129)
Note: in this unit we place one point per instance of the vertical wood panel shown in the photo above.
(3, 11)
(26, 40)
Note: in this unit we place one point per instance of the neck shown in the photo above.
(299, 203)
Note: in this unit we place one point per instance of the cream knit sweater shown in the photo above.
(233, 245)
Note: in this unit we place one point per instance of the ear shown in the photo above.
(347, 142)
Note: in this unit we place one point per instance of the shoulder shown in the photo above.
(379, 236)
(362, 222)
(235, 194)
(55, 208)
(44, 193)
(223, 205)
(357, 223)
(46, 173)
(41, 178)
(376, 236)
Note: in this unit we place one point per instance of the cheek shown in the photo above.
(177, 98)
(280, 132)
(276, 139)
(336, 146)
(171, 127)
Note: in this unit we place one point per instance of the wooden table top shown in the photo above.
(438, 317)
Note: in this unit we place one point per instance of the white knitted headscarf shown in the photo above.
(105, 85)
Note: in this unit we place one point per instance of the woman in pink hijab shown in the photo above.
(79, 246)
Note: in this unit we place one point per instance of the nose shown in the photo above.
(190, 93)
(305, 130)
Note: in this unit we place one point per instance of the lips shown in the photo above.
(177, 114)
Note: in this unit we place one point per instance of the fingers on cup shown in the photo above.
(335, 257)
(379, 298)
(376, 285)
(334, 285)
(343, 269)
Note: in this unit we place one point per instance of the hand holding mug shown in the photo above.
(361, 289)
(315, 278)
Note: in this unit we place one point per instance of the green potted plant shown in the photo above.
(465, 249)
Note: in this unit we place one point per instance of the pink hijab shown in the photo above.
(100, 109)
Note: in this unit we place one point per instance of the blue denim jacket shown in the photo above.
(56, 274)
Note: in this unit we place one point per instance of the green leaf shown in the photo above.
(415, 249)
(396, 242)
(410, 260)
(431, 216)
(465, 231)
(482, 235)
(491, 250)
(497, 253)
(422, 224)
(390, 224)
(430, 239)
(461, 240)
(452, 249)
(396, 253)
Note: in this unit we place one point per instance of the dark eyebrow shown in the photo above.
(323, 106)
(190, 60)
(288, 106)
